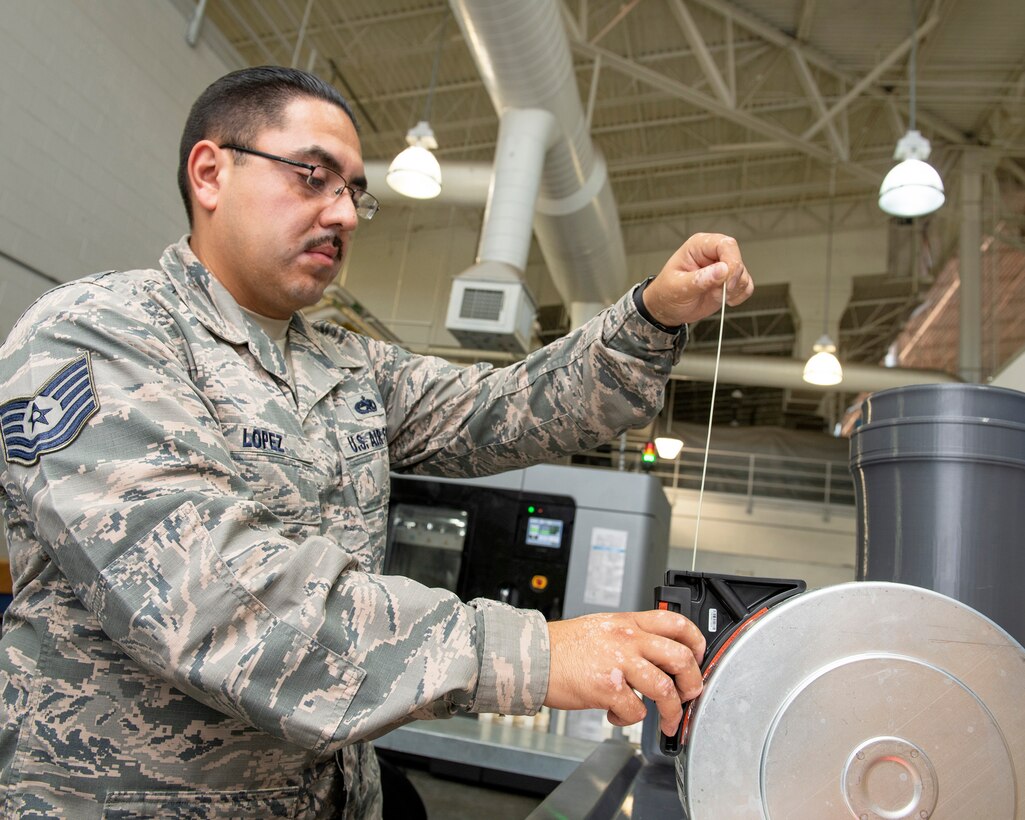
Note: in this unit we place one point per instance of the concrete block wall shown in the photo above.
(93, 95)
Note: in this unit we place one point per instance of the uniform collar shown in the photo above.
(215, 308)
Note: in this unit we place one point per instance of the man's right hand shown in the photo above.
(598, 660)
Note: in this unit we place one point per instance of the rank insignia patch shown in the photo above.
(53, 417)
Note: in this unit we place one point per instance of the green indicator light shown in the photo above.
(648, 454)
(530, 509)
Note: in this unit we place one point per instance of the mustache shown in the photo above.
(327, 239)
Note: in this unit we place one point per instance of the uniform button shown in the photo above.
(538, 582)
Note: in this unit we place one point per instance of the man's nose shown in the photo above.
(341, 210)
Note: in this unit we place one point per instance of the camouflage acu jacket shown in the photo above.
(199, 625)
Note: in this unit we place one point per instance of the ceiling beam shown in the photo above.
(745, 199)
(731, 61)
(624, 10)
(678, 163)
(715, 106)
(759, 219)
(881, 68)
(575, 27)
(243, 23)
(704, 57)
(811, 88)
(820, 60)
(806, 18)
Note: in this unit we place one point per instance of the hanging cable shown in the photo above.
(912, 71)
(434, 68)
(829, 247)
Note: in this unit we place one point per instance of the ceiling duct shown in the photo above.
(785, 372)
(523, 56)
(490, 306)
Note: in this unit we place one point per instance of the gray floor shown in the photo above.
(451, 800)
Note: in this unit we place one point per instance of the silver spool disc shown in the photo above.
(874, 701)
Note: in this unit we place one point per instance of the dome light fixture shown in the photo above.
(415, 172)
(668, 447)
(823, 368)
(913, 187)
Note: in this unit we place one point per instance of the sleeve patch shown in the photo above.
(52, 418)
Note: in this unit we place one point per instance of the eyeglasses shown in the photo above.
(324, 181)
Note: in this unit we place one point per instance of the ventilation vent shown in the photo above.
(482, 304)
(491, 315)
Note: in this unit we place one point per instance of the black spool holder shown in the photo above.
(719, 605)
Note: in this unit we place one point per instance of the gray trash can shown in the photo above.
(939, 476)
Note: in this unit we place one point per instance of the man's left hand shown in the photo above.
(689, 287)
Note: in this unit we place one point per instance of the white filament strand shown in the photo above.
(708, 438)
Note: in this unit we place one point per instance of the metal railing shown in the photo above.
(752, 475)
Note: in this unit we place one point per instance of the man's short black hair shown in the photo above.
(238, 106)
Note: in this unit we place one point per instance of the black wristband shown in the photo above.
(646, 314)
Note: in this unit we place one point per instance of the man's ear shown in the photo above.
(206, 167)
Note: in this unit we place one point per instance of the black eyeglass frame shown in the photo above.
(364, 202)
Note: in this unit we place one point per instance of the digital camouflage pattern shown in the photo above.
(199, 628)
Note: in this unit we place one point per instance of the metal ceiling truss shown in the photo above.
(731, 124)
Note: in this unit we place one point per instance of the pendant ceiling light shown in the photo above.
(913, 187)
(823, 368)
(415, 172)
(668, 447)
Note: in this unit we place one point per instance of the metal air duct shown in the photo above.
(779, 371)
(490, 305)
(523, 56)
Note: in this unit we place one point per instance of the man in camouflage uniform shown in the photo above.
(195, 487)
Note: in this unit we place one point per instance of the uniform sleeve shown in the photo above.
(143, 511)
(578, 392)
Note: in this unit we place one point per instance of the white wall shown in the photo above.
(402, 269)
(93, 96)
(782, 539)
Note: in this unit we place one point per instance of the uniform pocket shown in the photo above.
(197, 805)
(287, 486)
(370, 481)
